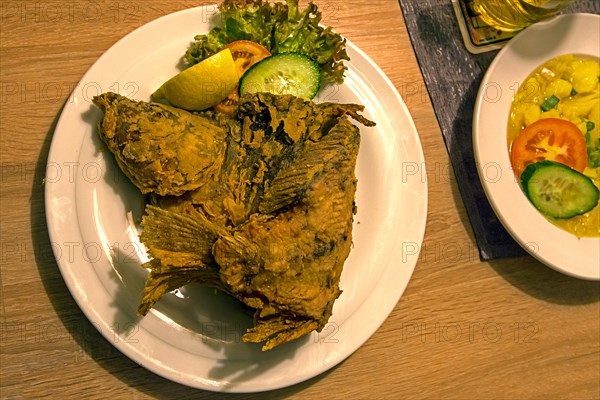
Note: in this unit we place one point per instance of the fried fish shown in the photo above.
(161, 149)
(271, 226)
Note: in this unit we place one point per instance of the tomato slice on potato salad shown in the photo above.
(245, 54)
(551, 139)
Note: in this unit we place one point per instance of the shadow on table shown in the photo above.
(93, 346)
(542, 282)
(534, 278)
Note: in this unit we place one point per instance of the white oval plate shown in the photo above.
(193, 334)
(566, 34)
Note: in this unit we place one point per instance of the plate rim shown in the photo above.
(60, 194)
(504, 192)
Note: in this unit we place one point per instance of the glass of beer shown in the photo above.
(513, 15)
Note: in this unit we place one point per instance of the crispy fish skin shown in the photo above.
(267, 136)
(181, 247)
(273, 226)
(161, 149)
(288, 265)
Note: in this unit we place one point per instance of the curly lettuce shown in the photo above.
(279, 28)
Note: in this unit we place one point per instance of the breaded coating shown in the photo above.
(161, 149)
(272, 226)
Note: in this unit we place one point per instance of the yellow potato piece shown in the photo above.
(585, 76)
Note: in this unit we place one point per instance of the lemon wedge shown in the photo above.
(202, 85)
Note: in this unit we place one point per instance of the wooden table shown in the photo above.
(463, 329)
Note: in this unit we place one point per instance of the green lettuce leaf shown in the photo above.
(279, 28)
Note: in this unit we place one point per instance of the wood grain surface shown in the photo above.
(462, 330)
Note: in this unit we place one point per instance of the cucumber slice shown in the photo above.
(283, 73)
(557, 190)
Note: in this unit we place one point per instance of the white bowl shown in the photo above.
(566, 34)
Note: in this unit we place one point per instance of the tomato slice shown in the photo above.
(245, 54)
(552, 139)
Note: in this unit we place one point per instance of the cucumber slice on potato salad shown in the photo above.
(283, 73)
(558, 190)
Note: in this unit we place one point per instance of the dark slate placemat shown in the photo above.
(452, 76)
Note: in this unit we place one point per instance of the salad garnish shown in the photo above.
(280, 28)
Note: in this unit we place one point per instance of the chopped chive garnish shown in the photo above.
(589, 125)
(550, 103)
(573, 92)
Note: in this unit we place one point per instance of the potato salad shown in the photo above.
(554, 141)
